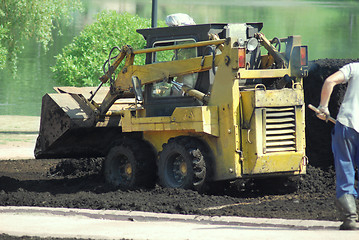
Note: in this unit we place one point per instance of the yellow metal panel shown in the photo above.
(227, 163)
(276, 162)
(282, 97)
(300, 127)
(263, 73)
(247, 106)
(272, 98)
(146, 120)
(199, 119)
(285, 107)
(252, 138)
(225, 94)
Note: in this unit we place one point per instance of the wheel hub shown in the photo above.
(183, 168)
(128, 169)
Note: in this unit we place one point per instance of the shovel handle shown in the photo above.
(316, 110)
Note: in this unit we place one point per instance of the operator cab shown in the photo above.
(161, 98)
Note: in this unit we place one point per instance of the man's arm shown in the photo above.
(327, 89)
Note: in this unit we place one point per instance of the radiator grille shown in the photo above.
(280, 129)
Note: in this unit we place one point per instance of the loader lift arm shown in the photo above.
(153, 72)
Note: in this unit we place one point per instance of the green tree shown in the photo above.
(24, 19)
(81, 62)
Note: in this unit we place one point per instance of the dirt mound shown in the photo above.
(76, 167)
(78, 188)
(318, 133)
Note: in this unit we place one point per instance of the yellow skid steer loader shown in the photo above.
(207, 106)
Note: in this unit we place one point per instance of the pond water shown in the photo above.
(329, 28)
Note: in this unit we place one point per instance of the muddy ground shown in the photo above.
(78, 183)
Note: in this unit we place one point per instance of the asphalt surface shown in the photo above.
(114, 224)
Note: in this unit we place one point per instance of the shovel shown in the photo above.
(316, 110)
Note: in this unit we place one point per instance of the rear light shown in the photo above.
(241, 57)
(303, 55)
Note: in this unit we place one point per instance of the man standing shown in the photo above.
(345, 140)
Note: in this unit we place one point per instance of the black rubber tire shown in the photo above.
(130, 164)
(184, 163)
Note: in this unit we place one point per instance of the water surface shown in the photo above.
(329, 28)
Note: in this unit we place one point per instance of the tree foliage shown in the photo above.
(81, 62)
(24, 19)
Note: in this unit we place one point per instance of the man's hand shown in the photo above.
(324, 113)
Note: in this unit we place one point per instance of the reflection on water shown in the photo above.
(329, 28)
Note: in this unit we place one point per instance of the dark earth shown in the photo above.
(78, 183)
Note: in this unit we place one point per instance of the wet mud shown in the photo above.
(69, 183)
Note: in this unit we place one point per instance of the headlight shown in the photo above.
(252, 44)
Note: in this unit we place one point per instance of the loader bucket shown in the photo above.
(67, 128)
(60, 114)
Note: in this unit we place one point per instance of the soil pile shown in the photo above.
(311, 199)
(318, 133)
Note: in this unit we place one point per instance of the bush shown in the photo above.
(81, 62)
